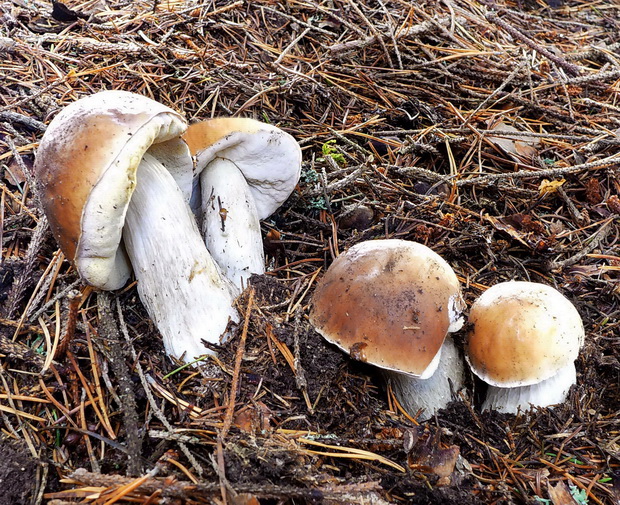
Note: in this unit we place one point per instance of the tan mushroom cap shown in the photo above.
(390, 303)
(203, 134)
(98, 141)
(522, 333)
(268, 157)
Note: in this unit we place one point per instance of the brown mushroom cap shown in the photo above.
(98, 141)
(389, 303)
(204, 134)
(522, 333)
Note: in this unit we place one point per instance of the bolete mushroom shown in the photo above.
(104, 173)
(247, 169)
(391, 303)
(523, 341)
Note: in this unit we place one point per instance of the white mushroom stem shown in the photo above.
(178, 282)
(230, 222)
(435, 392)
(548, 392)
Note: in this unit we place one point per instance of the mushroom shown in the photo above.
(247, 169)
(104, 171)
(523, 340)
(391, 303)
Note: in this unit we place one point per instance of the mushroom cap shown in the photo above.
(390, 303)
(268, 158)
(86, 171)
(522, 333)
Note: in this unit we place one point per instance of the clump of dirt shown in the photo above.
(415, 490)
(17, 473)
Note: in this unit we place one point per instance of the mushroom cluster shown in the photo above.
(116, 173)
(393, 303)
(128, 186)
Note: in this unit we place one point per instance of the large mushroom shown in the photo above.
(247, 169)
(106, 170)
(392, 303)
(523, 341)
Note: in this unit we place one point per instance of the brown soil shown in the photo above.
(397, 106)
(18, 473)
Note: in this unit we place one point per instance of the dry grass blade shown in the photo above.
(348, 452)
(230, 409)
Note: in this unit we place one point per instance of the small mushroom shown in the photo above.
(106, 170)
(391, 303)
(523, 342)
(247, 169)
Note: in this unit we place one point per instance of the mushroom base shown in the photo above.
(429, 395)
(179, 283)
(548, 392)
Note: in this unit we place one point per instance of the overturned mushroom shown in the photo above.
(391, 303)
(523, 342)
(247, 170)
(104, 171)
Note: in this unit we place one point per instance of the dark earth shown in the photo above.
(487, 130)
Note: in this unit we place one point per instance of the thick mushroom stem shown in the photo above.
(435, 392)
(551, 391)
(178, 282)
(230, 222)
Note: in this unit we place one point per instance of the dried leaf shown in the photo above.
(15, 174)
(506, 228)
(62, 13)
(549, 187)
(560, 495)
(426, 454)
(435, 460)
(516, 146)
(254, 418)
(524, 229)
(244, 499)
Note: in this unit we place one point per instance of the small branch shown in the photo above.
(598, 77)
(576, 216)
(21, 352)
(89, 44)
(496, 92)
(569, 67)
(145, 381)
(551, 172)
(354, 45)
(334, 492)
(28, 122)
(109, 331)
(287, 49)
(230, 409)
(593, 51)
(26, 277)
(420, 172)
(74, 297)
(300, 377)
(379, 37)
(600, 235)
